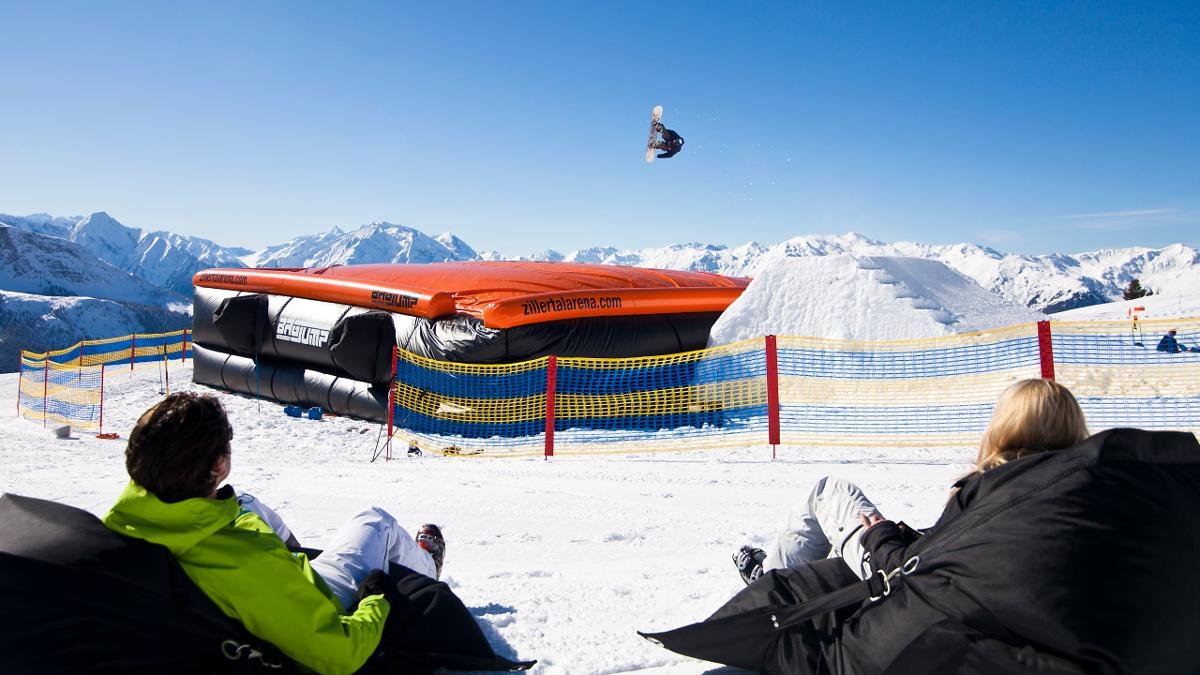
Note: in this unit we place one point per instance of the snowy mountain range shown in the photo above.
(374, 243)
(1048, 283)
(98, 257)
(161, 258)
(56, 290)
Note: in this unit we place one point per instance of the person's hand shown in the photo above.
(870, 520)
(375, 583)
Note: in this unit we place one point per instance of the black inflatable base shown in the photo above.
(289, 384)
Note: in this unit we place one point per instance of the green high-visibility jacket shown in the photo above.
(235, 558)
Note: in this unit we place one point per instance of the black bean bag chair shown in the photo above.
(76, 597)
(1081, 560)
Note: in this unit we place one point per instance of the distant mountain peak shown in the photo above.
(375, 242)
(99, 219)
(41, 217)
(458, 246)
(102, 234)
(549, 255)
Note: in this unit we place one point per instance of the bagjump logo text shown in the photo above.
(291, 330)
(393, 299)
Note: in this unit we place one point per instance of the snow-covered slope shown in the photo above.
(294, 252)
(864, 298)
(560, 560)
(457, 246)
(162, 258)
(171, 260)
(108, 239)
(1157, 306)
(42, 223)
(46, 265)
(38, 323)
(55, 292)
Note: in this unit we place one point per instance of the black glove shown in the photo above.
(911, 535)
(378, 583)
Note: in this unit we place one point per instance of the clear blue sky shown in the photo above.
(1030, 127)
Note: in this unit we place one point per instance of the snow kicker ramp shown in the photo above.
(324, 336)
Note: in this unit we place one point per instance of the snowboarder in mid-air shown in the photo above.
(671, 142)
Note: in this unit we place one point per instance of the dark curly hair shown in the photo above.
(175, 444)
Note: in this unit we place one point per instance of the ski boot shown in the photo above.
(749, 563)
(429, 537)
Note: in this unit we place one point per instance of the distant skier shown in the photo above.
(1170, 344)
(670, 144)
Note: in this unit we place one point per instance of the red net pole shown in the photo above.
(772, 394)
(391, 408)
(1046, 350)
(551, 384)
(183, 355)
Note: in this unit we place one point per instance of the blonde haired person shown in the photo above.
(1031, 416)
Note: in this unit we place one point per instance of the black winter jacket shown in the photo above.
(1075, 561)
(1056, 562)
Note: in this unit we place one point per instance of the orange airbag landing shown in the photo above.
(501, 294)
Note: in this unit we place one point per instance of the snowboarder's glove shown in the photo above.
(378, 583)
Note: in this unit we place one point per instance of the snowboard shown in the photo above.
(655, 120)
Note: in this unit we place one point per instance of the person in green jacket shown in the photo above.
(178, 457)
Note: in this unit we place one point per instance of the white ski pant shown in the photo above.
(825, 525)
(368, 541)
